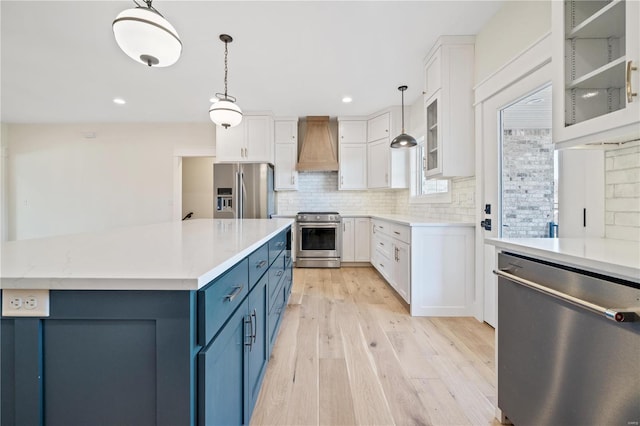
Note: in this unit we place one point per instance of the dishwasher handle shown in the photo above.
(614, 314)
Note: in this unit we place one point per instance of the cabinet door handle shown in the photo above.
(279, 274)
(249, 320)
(254, 326)
(630, 93)
(237, 290)
(386, 178)
(246, 152)
(341, 180)
(294, 179)
(261, 264)
(396, 232)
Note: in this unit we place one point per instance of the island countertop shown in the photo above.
(184, 255)
(616, 258)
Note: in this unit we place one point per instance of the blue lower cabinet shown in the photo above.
(231, 367)
(258, 349)
(101, 358)
(223, 374)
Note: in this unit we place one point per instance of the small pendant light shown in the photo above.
(225, 112)
(146, 36)
(403, 140)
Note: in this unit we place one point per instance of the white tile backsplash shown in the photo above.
(622, 193)
(319, 191)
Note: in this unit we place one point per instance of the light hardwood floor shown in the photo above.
(348, 353)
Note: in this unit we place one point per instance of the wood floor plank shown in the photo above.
(369, 402)
(402, 397)
(325, 370)
(336, 402)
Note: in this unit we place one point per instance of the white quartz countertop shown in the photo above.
(417, 221)
(182, 255)
(615, 258)
(400, 219)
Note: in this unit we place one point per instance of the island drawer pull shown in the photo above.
(237, 290)
(396, 232)
(614, 314)
(261, 264)
(279, 274)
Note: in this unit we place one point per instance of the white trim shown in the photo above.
(178, 154)
(529, 60)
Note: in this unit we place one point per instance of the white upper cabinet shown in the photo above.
(448, 89)
(353, 166)
(379, 127)
(386, 167)
(250, 142)
(352, 137)
(596, 61)
(286, 154)
(352, 131)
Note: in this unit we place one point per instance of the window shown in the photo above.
(423, 188)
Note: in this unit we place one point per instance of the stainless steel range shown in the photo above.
(319, 239)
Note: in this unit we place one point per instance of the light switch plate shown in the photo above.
(25, 303)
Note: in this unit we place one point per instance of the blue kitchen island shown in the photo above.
(165, 324)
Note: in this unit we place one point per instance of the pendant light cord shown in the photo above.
(402, 92)
(226, 52)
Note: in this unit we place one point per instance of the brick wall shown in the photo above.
(528, 183)
(622, 193)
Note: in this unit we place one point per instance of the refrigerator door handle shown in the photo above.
(243, 194)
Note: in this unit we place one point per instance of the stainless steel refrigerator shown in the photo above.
(243, 191)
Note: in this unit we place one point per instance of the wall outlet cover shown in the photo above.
(25, 303)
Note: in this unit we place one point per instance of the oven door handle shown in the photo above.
(318, 225)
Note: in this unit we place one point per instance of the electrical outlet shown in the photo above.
(25, 303)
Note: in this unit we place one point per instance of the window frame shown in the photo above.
(416, 176)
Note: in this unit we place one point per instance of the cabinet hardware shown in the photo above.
(261, 264)
(341, 180)
(381, 265)
(254, 325)
(396, 232)
(249, 321)
(279, 274)
(234, 293)
(630, 93)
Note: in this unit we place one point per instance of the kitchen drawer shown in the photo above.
(395, 230)
(401, 232)
(383, 264)
(258, 264)
(218, 300)
(276, 245)
(383, 243)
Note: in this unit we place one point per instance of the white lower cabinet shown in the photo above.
(391, 244)
(355, 239)
(431, 266)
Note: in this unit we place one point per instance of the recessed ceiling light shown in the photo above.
(347, 99)
(119, 101)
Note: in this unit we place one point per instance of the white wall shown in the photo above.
(517, 25)
(197, 187)
(63, 181)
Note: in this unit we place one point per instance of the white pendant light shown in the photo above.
(145, 36)
(403, 140)
(225, 112)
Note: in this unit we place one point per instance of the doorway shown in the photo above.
(197, 187)
(518, 80)
(529, 178)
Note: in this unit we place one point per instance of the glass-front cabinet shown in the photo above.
(596, 58)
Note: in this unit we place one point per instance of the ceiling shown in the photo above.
(60, 63)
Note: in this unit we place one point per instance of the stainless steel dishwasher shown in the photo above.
(568, 345)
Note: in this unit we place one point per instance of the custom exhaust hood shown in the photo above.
(317, 153)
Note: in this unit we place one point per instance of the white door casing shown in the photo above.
(523, 75)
